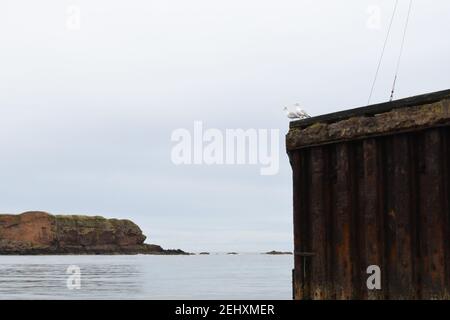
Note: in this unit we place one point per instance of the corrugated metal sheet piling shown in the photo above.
(372, 187)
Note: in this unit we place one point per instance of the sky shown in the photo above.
(92, 91)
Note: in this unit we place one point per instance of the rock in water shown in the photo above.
(43, 233)
(273, 252)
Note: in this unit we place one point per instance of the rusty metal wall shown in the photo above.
(378, 201)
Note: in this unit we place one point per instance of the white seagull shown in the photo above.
(298, 113)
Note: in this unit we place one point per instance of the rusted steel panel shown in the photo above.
(380, 200)
(318, 210)
(446, 196)
(432, 217)
(371, 213)
(300, 288)
(342, 222)
(399, 255)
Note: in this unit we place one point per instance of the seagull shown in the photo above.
(298, 113)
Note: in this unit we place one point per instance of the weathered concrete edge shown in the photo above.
(374, 109)
(396, 120)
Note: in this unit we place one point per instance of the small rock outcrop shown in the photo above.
(273, 252)
(42, 233)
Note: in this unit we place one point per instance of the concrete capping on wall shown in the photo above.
(415, 113)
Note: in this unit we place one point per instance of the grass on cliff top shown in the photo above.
(92, 221)
(79, 217)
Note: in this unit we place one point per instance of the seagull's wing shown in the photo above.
(304, 114)
(292, 115)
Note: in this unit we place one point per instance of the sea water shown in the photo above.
(215, 276)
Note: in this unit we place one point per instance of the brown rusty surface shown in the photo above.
(342, 236)
(319, 240)
(363, 126)
(432, 212)
(376, 201)
(398, 218)
(370, 199)
(299, 226)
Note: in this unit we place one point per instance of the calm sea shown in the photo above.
(217, 276)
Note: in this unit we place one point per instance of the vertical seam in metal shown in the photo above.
(414, 214)
(419, 163)
(327, 221)
(332, 214)
(306, 226)
(383, 166)
(355, 247)
(445, 199)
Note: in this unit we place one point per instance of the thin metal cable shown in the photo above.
(382, 52)
(401, 51)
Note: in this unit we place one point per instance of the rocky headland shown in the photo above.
(43, 233)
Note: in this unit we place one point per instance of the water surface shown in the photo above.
(217, 276)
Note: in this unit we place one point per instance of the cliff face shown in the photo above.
(43, 233)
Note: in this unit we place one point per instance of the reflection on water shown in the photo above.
(246, 276)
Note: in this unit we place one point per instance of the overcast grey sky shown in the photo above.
(86, 115)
